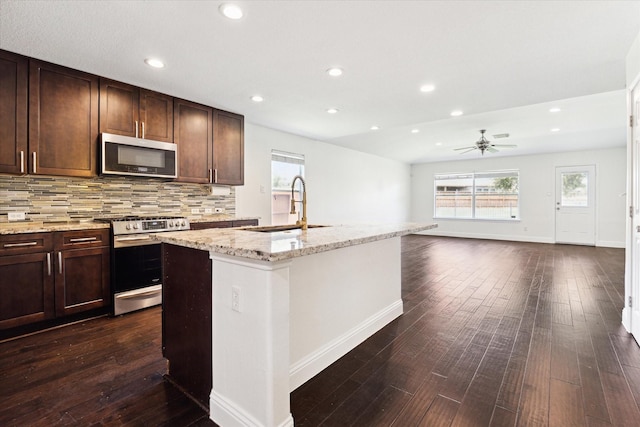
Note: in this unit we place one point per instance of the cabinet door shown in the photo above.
(14, 73)
(119, 108)
(26, 286)
(194, 137)
(156, 115)
(228, 148)
(82, 280)
(63, 120)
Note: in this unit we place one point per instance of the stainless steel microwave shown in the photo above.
(125, 155)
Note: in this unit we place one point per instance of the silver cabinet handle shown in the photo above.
(34, 163)
(83, 239)
(210, 176)
(60, 262)
(142, 130)
(19, 245)
(48, 263)
(22, 162)
(215, 175)
(136, 128)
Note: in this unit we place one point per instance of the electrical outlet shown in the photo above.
(208, 210)
(235, 298)
(219, 210)
(16, 216)
(195, 210)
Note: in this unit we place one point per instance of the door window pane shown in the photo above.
(575, 187)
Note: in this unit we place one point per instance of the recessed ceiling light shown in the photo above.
(438, 143)
(415, 130)
(374, 127)
(332, 110)
(231, 11)
(555, 130)
(427, 88)
(153, 62)
(257, 98)
(555, 110)
(335, 71)
(456, 113)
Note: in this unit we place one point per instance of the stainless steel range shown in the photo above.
(136, 264)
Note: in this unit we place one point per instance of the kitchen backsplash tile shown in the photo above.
(46, 197)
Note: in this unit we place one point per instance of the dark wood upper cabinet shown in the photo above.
(63, 120)
(193, 133)
(228, 148)
(132, 111)
(14, 80)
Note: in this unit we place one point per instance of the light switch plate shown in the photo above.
(16, 216)
(208, 210)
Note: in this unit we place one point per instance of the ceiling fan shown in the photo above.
(484, 145)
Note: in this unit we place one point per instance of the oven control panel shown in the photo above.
(149, 225)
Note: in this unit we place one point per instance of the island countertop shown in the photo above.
(283, 245)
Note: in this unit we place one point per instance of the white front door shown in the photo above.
(575, 205)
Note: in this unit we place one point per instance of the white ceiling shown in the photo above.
(504, 63)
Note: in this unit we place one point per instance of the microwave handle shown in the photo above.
(136, 128)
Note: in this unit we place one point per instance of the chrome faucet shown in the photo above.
(301, 222)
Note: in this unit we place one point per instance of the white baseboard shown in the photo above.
(308, 367)
(225, 413)
(626, 319)
(610, 244)
(513, 238)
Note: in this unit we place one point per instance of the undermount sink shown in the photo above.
(276, 228)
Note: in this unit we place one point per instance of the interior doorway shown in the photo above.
(284, 167)
(575, 205)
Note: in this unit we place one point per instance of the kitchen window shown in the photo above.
(284, 167)
(477, 195)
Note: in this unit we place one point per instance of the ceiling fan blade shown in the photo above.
(491, 149)
(469, 149)
(473, 147)
(503, 145)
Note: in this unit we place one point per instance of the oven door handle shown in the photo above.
(140, 295)
(133, 239)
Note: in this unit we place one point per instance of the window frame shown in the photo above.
(473, 176)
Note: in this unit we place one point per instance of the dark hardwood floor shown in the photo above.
(493, 334)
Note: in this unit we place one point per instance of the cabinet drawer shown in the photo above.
(245, 222)
(211, 224)
(81, 239)
(15, 244)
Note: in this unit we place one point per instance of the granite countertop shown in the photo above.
(283, 245)
(19, 227)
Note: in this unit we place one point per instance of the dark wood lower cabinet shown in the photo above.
(82, 280)
(47, 277)
(186, 319)
(26, 289)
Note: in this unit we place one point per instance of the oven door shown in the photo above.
(136, 273)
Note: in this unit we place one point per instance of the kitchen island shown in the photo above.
(279, 306)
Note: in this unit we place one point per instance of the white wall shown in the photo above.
(537, 196)
(343, 186)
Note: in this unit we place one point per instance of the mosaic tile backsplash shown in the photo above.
(47, 197)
